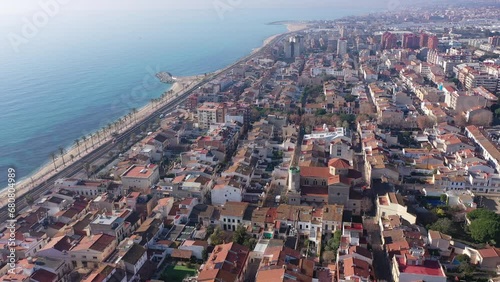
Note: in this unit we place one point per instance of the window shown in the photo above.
(224, 219)
(94, 257)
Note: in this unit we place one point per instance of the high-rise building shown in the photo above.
(411, 41)
(424, 39)
(433, 42)
(294, 47)
(342, 46)
(342, 31)
(494, 40)
(389, 40)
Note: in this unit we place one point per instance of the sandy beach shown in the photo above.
(294, 27)
(74, 153)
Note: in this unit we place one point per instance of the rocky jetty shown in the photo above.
(165, 77)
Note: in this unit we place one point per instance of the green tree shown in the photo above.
(217, 237)
(204, 254)
(334, 243)
(350, 98)
(462, 258)
(482, 213)
(250, 243)
(443, 198)
(239, 235)
(443, 225)
(497, 112)
(485, 230)
(320, 112)
(29, 199)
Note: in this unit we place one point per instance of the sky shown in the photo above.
(15, 7)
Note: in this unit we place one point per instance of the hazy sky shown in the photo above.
(26, 6)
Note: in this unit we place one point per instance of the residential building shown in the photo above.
(141, 178)
(227, 262)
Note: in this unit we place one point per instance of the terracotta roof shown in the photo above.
(321, 172)
(356, 267)
(182, 254)
(338, 163)
(225, 263)
(42, 275)
(489, 253)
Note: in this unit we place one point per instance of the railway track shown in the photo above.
(104, 148)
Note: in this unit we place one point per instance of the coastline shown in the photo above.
(291, 27)
(23, 186)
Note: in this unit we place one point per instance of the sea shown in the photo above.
(79, 71)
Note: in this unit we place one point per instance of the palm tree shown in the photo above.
(62, 151)
(134, 112)
(77, 144)
(110, 126)
(103, 131)
(72, 157)
(53, 156)
(84, 140)
(91, 137)
(98, 133)
(86, 167)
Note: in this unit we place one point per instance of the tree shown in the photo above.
(482, 213)
(217, 237)
(424, 122)
(328, 256)
(462, 258)
(72, 157)
(204, 254)
(29, 199)
(53, 156)
(460, 120)
(77, 144)
(61, 151)
(485, 230)
(334, 243)
(350, 98)
(443, 198)
(497, 113)
(482, 118)
(320, 112)
(86, 167)
(84, 140)
(366, 204)
(250, 243)
(443, 225)
(239, 235)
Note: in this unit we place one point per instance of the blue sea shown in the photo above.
(82, 70)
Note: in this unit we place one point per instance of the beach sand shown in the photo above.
(48, 170)
(294, 27)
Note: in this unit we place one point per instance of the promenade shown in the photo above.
(91, 142)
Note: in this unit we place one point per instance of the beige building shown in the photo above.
(140, 177)
(210, 113)
(393, 204)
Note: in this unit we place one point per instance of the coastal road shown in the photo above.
(74, 168)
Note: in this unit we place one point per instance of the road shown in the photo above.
(381, 263)
(76, 167)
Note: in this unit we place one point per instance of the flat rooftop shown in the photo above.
(140, 171)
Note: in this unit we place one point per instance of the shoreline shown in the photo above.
(24, 185)
(46, 170)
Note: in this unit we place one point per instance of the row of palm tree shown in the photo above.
(95, 138)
